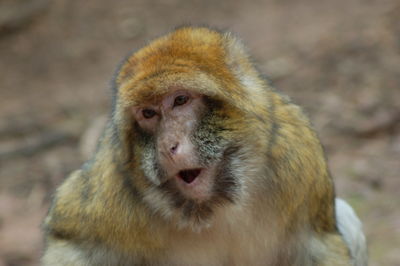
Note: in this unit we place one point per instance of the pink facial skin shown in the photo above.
(173, 120)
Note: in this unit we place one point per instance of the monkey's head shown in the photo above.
(187, 111)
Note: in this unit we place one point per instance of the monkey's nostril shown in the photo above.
(174, 148)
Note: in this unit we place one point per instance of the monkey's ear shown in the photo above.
(236, 52)
(240, 64)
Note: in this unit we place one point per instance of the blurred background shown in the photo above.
(340, 60)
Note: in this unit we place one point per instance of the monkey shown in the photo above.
(202, 162)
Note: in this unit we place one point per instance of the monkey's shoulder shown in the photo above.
(97, 207)
(68, 205)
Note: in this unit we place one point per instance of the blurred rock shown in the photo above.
(16, 14)
(90, 137)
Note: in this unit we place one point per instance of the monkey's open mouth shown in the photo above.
(189, 175)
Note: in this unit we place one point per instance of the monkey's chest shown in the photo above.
(241, 246)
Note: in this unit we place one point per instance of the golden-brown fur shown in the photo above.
(282, 211)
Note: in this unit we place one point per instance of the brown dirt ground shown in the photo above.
(339, 59)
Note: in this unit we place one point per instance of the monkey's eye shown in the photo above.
(181, 100)
(148, 113)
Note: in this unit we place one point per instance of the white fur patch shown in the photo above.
(248, 81)
(350, 228)
(159, 202)
(148, 157)
(63, 253)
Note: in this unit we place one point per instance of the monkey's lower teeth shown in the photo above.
(189, 175)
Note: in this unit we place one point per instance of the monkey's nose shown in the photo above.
(174, 148)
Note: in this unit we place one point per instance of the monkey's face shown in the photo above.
(185, 156)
